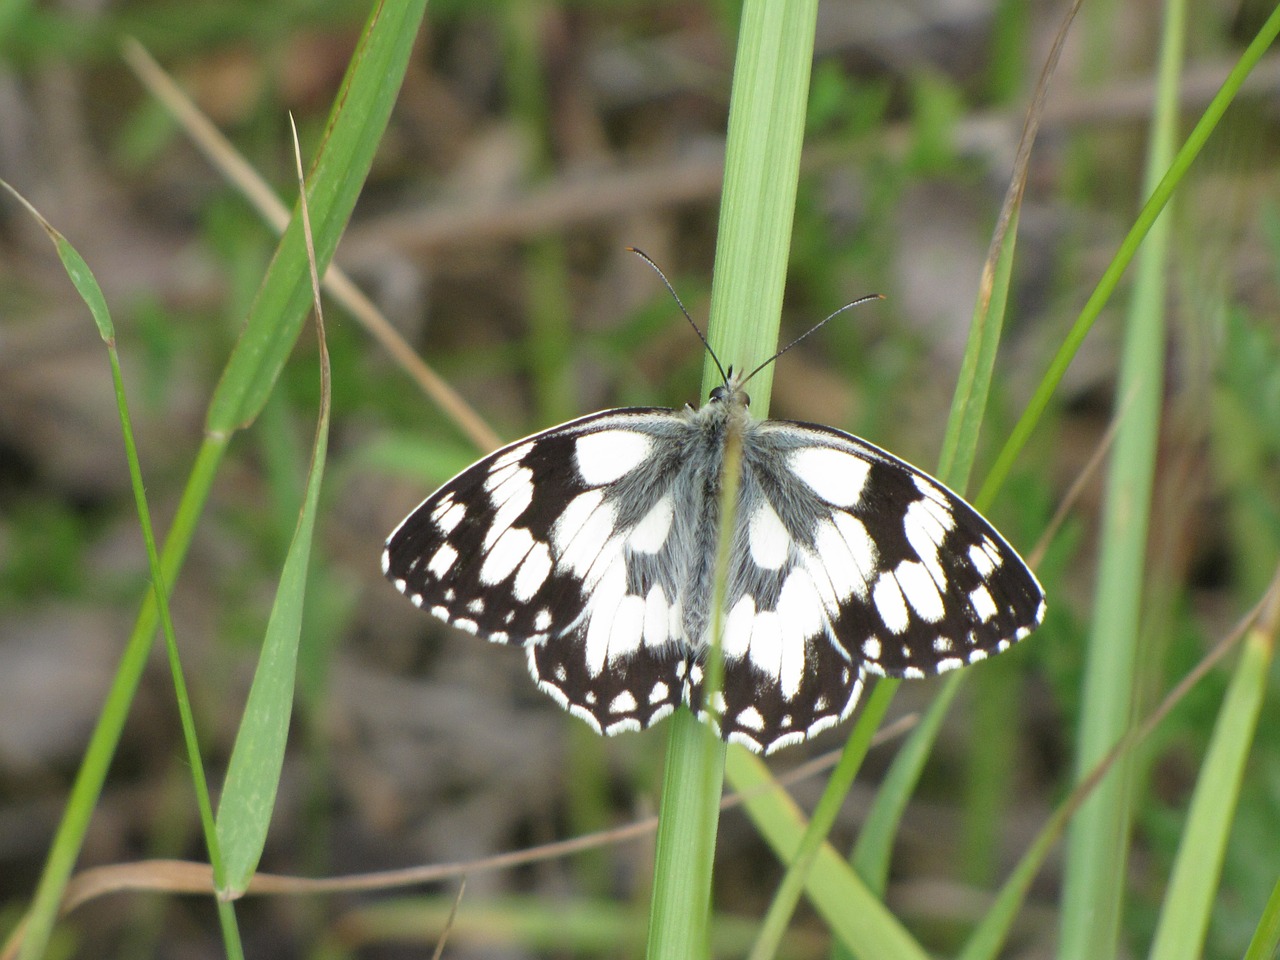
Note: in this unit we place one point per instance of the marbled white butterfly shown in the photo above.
(592, 545)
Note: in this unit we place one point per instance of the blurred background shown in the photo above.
(531, 144)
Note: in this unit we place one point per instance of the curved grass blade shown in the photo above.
(86, 285)
(253, 773)
(850, 910)
(393, 28)
(350, 141)
(1098, 839)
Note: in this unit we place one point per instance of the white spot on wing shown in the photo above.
(448, 520)
(542, 620)
(751, 719)
(628, 625)
(442, 561)
(768, 538)
(650, 533)
(582, 531)
(889, 602)
(736, 641)
(511, 500)
(604, 456)
(505, 555)
(981, 562)
(982, 603)
(920, 590)
(837, 477)
(848, 555)
(925, 534)
(659, 693)
(655, 617)
(602, 607)
(871, 648)
(533, 573)
(514, 455)
(624, 702)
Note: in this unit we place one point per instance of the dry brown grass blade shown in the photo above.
(237, 171)
(182, 876)
(1022, 160)
(448, 924)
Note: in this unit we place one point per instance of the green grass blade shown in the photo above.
(1128, 249)
(351, 139)
(969, 404)
(253, 774)
(1097, 841)
(1265, 942)
(852, 912)
(86, 285)
(1189, 899)
(762, 168)
(399, 30)
(875, 841)
(776, 920)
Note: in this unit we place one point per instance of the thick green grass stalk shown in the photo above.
(1094, 879)
(361, 110)
(762, 166)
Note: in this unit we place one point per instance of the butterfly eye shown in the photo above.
(718, 394)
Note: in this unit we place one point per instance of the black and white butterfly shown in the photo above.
(592, 545)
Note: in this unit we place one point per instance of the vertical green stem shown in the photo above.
(1098, 840)
(762, 168)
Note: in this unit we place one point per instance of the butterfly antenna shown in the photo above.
(814, 329)
(672, 290)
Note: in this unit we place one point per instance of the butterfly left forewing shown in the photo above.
(553, 543)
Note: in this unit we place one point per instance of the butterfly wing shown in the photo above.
(541, 544)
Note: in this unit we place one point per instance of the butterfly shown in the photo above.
(592, 545)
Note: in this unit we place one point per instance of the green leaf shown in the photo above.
(253, 774)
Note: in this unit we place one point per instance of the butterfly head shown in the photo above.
(730, 392)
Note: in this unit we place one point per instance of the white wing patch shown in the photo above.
(609, 455)
(837, 477)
